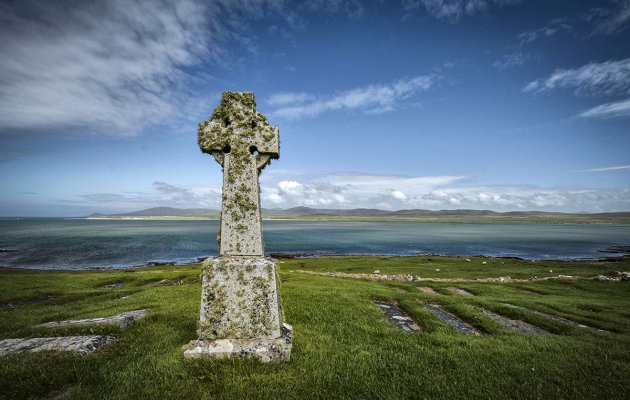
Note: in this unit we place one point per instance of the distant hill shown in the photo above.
(375, 214)
(164, 212)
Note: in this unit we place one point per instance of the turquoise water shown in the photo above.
(57, 243)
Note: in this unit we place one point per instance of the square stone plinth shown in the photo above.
(264, 350)
(239, 299)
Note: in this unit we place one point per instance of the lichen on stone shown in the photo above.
(243, 142)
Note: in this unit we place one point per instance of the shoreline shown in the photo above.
(623, 256)
(473, 220)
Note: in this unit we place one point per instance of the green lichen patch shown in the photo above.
(239, 299)
(243, 142)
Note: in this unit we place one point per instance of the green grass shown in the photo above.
(343, 345)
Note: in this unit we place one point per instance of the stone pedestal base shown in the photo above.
(240, 313)
(264, 350)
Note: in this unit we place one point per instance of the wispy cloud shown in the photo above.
(285, 98)
(160, 194)
(608, 110)
(452, 10)
(370, 98)
(606, 78)
(617, 168)
(610, 21)
(553, 27)
(515, 59)
(105, 66)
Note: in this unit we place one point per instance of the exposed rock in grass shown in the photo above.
(452, 320)
(459, 292)
(114, 285)
(514, 324)
(123, 320)
(415, 278)
(555, 318)
(79, 344)
(428, 290)
(624, 276)
(26, 302)
(398, 317)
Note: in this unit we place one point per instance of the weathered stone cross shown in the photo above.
(243, 142)
(240, 313)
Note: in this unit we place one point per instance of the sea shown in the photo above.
(74, 243)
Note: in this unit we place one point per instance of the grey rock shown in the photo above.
(124, 320)
(452, 320)
(514, 324)
(266, 350)
(555, 318)
(398, 317)
(79, 344)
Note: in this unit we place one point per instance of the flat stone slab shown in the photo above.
(514, 324)
(428, 290)
(398, 317)
(459, 292)
(555, 318)
(79, 344)
(264, 350)
(124, 320)
(452, 320)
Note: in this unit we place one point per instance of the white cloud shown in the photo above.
(605, 169)
(107, 66)
(614, 109)
(371, 98)
(429, 192)
(452, 10)
(609, 78)
(553, 27)
(285, 189)
(397, 194)
(115, 67)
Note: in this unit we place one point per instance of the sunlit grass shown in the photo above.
(343, 345)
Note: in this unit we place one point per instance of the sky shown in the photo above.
(391, 104)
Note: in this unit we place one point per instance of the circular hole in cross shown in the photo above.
(253, 150)
(227, 148)
(254, 124)
(226, 121)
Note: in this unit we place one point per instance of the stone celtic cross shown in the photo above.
(243, 142)
(240, 313)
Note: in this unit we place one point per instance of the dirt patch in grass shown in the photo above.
(428, 290)
(460, 292)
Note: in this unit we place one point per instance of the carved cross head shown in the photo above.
(236, 128)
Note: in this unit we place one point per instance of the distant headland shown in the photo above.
(370, 214)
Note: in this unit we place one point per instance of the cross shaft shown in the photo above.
(243, 142)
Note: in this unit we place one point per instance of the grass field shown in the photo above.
(343, 347)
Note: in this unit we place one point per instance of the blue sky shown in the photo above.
(434, 104)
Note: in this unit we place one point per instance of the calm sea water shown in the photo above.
(80, 244)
